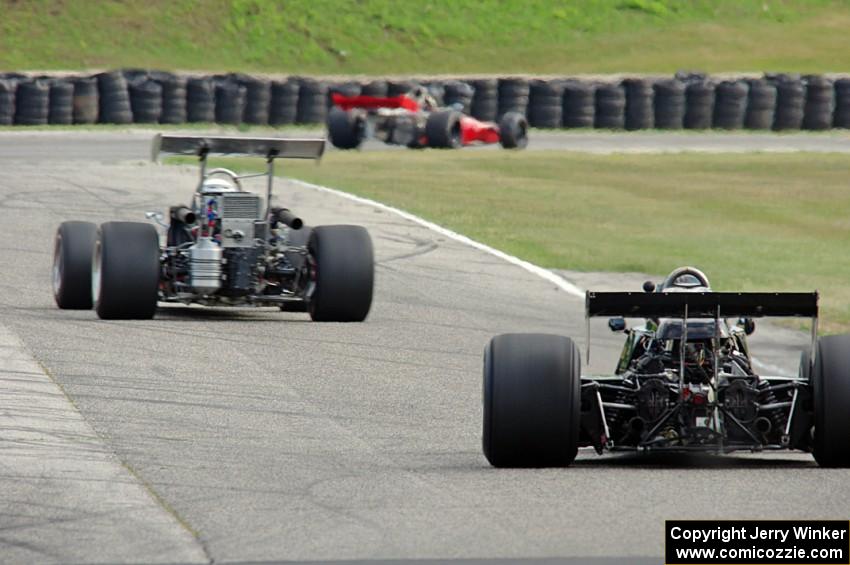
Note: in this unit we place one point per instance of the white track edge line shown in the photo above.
(546, 274)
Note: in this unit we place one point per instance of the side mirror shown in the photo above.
(748, 324)
(649, 286)
(617, 324)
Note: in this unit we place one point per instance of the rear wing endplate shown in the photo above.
(268, 147)
(702, 304)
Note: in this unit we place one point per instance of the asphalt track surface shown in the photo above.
(109, 146)
(253, 435)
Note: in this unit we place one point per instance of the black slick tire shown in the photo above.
(532, 400)
(442, 129)
(72, 265)
(343, 268)
(513, 131)
(831, 388)
(125, 271)
(345, 129)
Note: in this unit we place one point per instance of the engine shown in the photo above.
(225, 259)
(693, 409)
(215, 248)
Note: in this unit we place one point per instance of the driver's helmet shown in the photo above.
(423, 97)
(217, 185)
(686, 281)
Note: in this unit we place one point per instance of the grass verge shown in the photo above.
(751, 221)
(431, 36)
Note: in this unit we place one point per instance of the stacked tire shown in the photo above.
(86, 100)
(258, 96)
(174, 99)
(699, 104)
(546, 104)
(820, 103)
(513, 96)
(200, 100)
(61, 105)
(399, 87)
(669, 104)
(146, 101)
(459, 93)
(284, 102)
(114, 98)
(376, 87)
(579, 104)
(610, 106)
(761, 105)
(8, 90)
(312, 102)
(32, 103)
(730, 105)
(485, 100)
(841, 116)
(790, 103)
(229, 102)
(639, 113)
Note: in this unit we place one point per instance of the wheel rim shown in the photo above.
(522, 139)
(312, 287)
(58, 266)
(456, 139)
(95, 273)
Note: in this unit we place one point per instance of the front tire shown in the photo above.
(125, 272)
(831, 388)
(72, 265)
(532, 400)
(343, 266)
(513, 131)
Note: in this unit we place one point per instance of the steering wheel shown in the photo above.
(681, 271)
(222, 172)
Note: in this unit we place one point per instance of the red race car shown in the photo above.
(415, 120)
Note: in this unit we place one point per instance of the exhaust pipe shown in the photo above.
(637, 425)
(286, 217)
(182, 214)
(763, 425)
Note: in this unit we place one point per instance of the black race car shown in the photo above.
(685, 382)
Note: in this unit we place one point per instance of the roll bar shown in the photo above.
(269, 147)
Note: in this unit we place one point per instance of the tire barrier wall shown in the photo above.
(688, 100)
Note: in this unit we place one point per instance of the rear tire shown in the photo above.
(513, 131)
(345, 129)
(532, 400)
(442, 129)
(72, 258)
(125, 273)
(831, 388)
(344, 271)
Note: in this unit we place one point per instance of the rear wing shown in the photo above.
(715, 305)
(268, 147)
(702, 304)
(374, 102)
